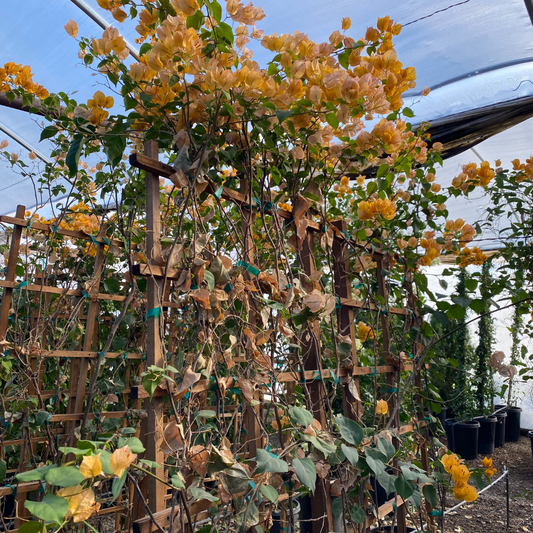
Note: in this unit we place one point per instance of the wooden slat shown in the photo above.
(90, 355)
(145, 525)
(349, 302)
(58, 290)
(47, 228)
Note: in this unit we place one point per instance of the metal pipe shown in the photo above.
(507, 483)
(93, 15)
(23, 143)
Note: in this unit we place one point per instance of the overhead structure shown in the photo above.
(479, 87)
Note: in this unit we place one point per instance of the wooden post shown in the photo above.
(79, 368)
(351, 406)
(5, 306)
(251, 413)
(154, 356)
(382, 288)
(321, 513)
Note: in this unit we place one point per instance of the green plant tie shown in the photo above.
(93, 239)
(29, 224)
(436, 512)
(7, 352)
(22, 284)
(125, 356)
(250, 268)
(193, 288)
(392, 389)
(374, 372)
(338, 305)
(227, 288)
(268, 206)
(218, 192)
(155, 312)
(143, 358)
(13, 489)
(107, 241)
(101, 354)
(346, 234)
(335, 378)
(54, 228)
(85, 294)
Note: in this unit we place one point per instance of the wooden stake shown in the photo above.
(153, 433)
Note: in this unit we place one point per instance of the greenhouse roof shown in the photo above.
(475, 55)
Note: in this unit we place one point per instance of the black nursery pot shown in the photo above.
(512, 424)
(499, 437)
(448, 427)
(465, 439)
(530, 435)
(487, 434)
(442, 416)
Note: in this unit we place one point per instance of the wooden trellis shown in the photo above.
(83, 364)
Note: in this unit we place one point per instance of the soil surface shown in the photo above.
(488, 514)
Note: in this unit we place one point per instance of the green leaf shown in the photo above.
(206, 413)
(478, 305)
(34, 475)
(114, 147)
(76, 451)
(112, 285)
(477, 481)
(268, 462)
(105, 456)
(321, 445)
(430, 494)
(387, 482)
(282, 115)
(408, 112)
(144, 49)
(375, 465)
(177, 482)
(350, 430)
(48, 132)
(149, 464)
(210, 280)
(383, 170)
(135, 445)
(301, 416)
(350, 453)
(270, 493)
(386, 448)
(73, 155)
(32, 527)
(235, 480)
(404, 488)
(64, 476)
(332, 120)
(357, 514)
(201, 494)
(463, 301)
(225, 32)
(196, 21)
(215, 10)
(51, 509)
(416, 499)
(306, 472)
(118, 483)
(337, 508)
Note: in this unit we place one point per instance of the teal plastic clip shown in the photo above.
(54, 228)
(22, 284)
(101, 354)
(93, 239)
(338, 305)
(254, 271)
(374, 372)
(85, 294)
(155, 312)
(218, 192)
(228, 287)
(436, 512)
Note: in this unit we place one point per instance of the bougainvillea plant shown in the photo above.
(320, 134)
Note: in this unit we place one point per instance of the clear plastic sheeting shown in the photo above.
(471, 53)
